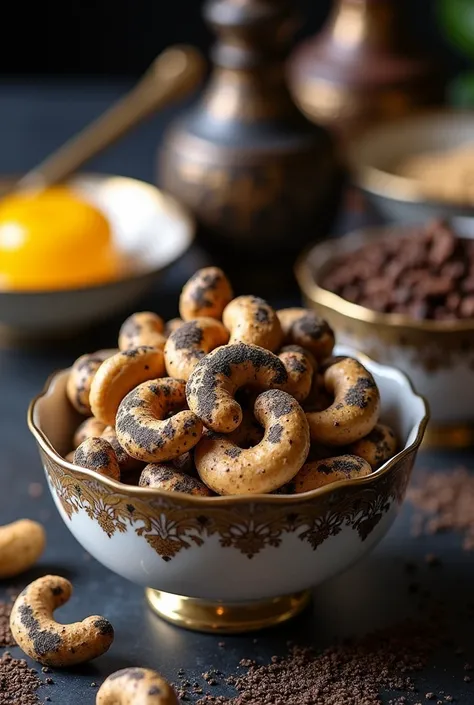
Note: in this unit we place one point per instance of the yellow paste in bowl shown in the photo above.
(54, 240)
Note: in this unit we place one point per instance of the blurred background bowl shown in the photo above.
(438, 356)
(150, 230)
(374, 157)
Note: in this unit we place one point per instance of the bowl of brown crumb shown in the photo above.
(404, 295)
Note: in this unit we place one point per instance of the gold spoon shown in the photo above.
(175, 73)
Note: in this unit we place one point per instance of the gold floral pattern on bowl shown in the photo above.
(170, 525)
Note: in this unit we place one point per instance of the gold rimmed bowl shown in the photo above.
(228, 564)
(376, 157)
(438, 356)
(150, 231)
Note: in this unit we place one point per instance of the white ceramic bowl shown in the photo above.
(239, 556)
(374, 156)
(149, 228)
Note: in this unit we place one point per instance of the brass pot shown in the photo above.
(261, 180)
(364, 66)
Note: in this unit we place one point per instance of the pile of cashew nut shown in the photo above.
(232, 398)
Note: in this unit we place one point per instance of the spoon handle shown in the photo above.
(173, 74)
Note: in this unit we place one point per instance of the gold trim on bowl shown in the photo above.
(229, 617)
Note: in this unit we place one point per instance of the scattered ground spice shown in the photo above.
(445, 501)
(211, 676)
(352, 673)
(18, 682)
(6, 637)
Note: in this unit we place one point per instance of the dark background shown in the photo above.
(120, 38)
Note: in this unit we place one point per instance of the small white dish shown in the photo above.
(151, 231)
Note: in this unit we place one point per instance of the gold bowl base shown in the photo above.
(224, 617)
(448, 436)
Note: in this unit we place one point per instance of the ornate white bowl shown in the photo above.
(228, 563)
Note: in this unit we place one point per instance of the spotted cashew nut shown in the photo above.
(216, 378)
(21, 544)
(143, 328)
(190, 343)
(304, 327)
(80, 380)
(324, 472)
(118, 375)
(184, 463)
(43, 639)
(318, 398)
(300, 366)
(136, 686)
(249, 433)
(207, 293)
(97, 454)
(355, 409)
(378, 446)
(125, 461)
(90, 428)
(251, 320)
(162, 476)
(143, 428)
(230, 470)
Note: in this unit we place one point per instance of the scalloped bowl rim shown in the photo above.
(146, 492)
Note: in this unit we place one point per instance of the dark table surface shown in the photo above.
(35, 119)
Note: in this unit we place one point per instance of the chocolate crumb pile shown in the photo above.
(445, 501)
(427, 274)
(353, 673)
(18, 682)
(6, 637)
